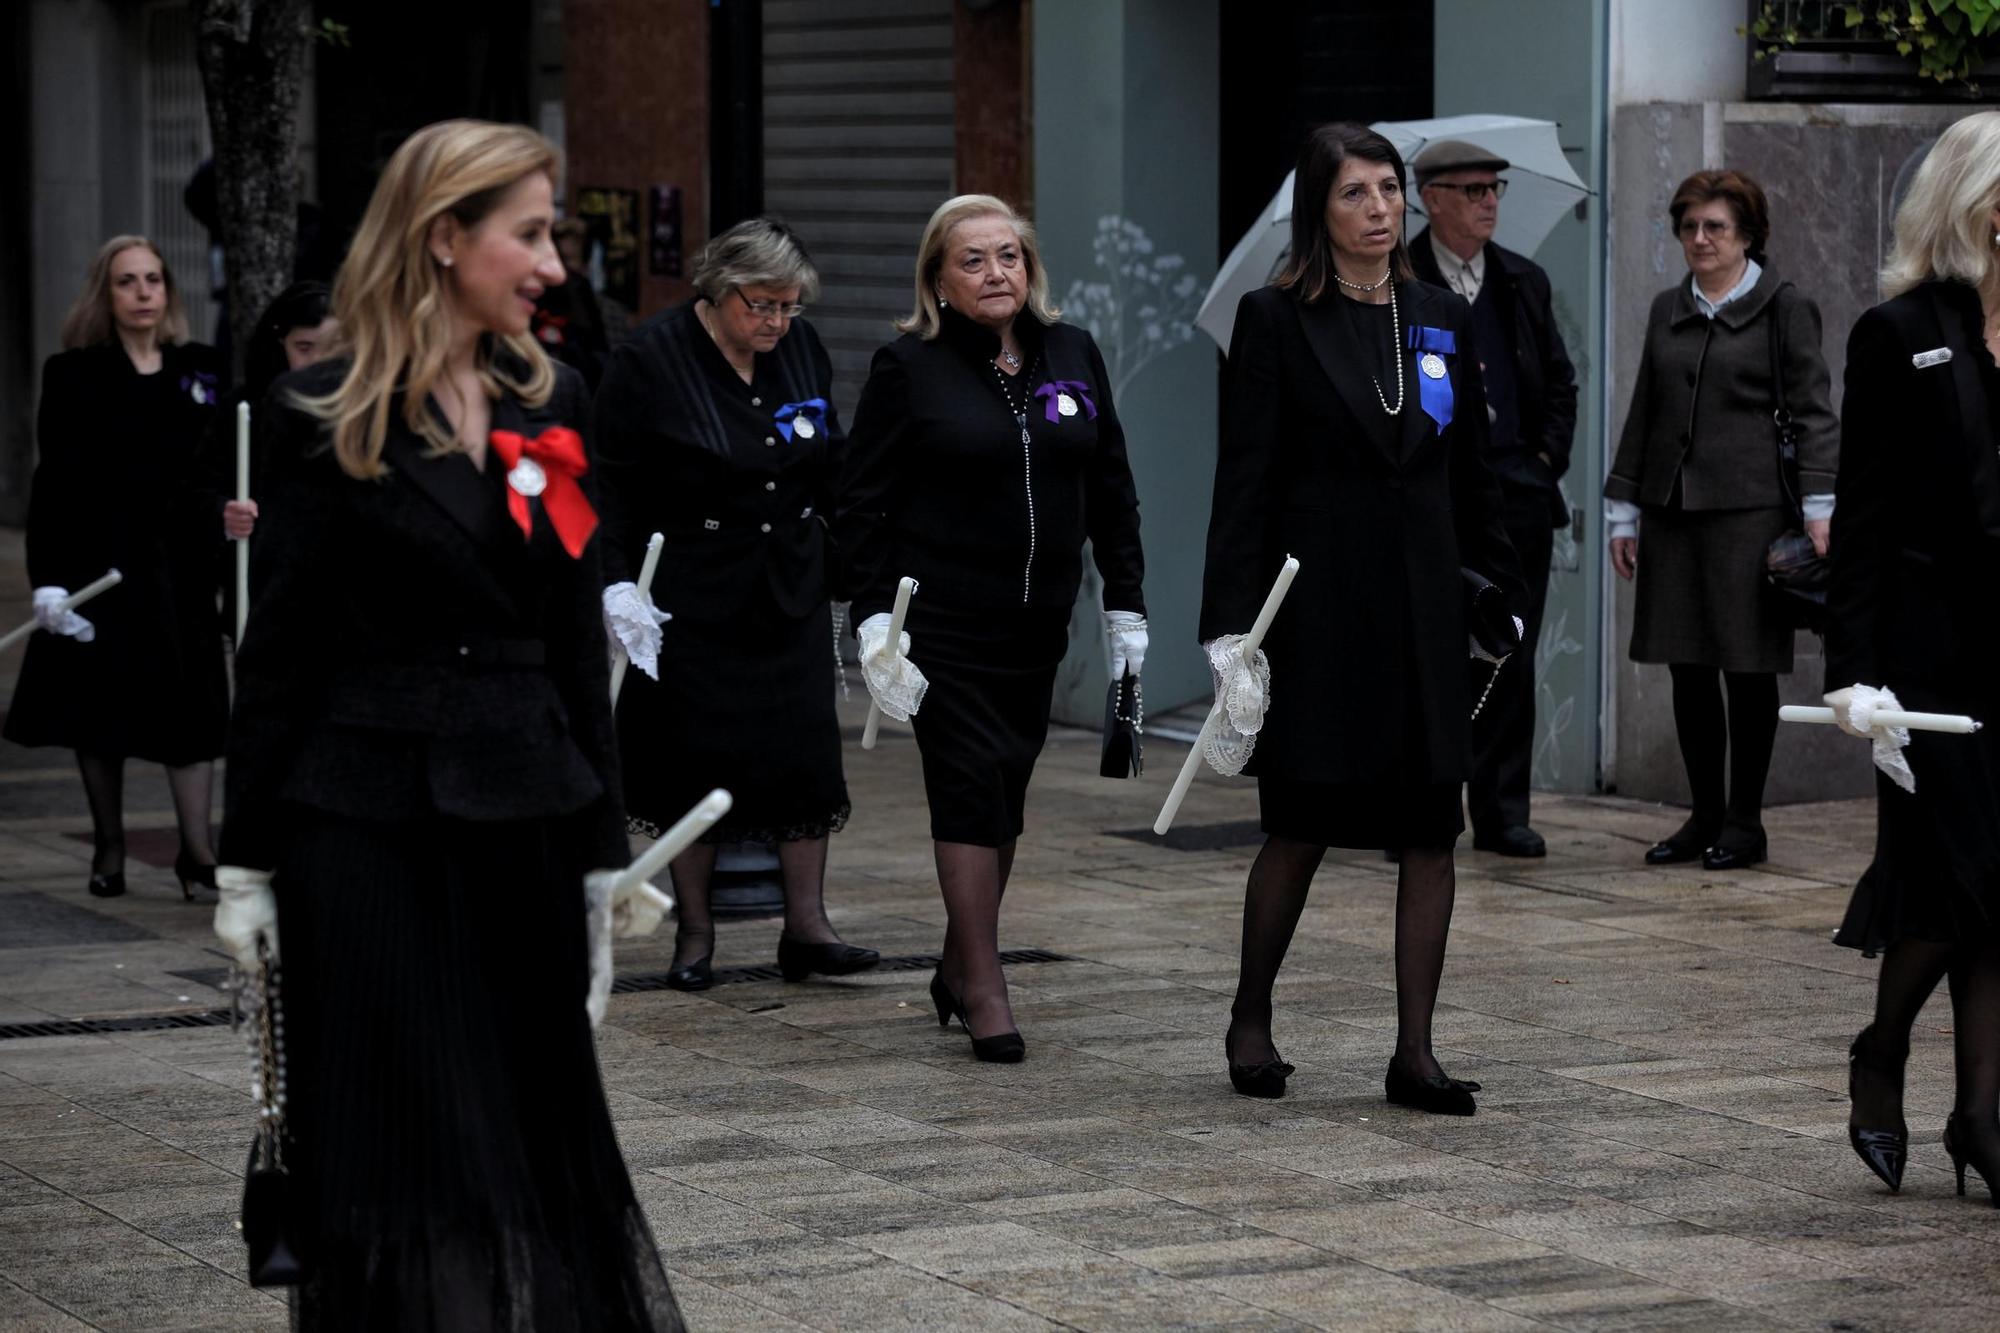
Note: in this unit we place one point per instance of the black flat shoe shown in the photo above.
(798, 961)
(1686, 844)
(1514, 840)
(1886, 1151)
(1962, 1149)
(1004, 1048)
(1725, 857)
(107, 886)
(191, 873)
(1264, 1079)
(698, 975)
(1439, 1094)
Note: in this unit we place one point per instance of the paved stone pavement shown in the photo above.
(1660, 1143)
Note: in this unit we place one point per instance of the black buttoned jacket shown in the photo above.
(687, 449)
(1381, 512)
(409, 653)
(940, 486)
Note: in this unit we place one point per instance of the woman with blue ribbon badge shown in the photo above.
(717, 430)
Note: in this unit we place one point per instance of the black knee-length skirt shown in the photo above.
(985, 716)
(745, 704)
(450, 1139)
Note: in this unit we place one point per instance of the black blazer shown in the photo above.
(1381, 513)
(1544, 378)
(939, 485)
(409, 654)
(687, 449)
(1916, 520)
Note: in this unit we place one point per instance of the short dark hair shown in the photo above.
(303, 305)
(1744, 196)
(1309, 270)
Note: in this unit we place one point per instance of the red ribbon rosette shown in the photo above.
(548, 465)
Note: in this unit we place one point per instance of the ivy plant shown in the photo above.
(1949, 41)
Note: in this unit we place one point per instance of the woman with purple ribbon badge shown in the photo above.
(1352, 436)
(715, 428)
(985, 452)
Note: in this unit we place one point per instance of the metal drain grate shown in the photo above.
(916, 962)
(1198, 837)
(625, 985)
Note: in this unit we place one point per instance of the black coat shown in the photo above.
(687, 449)
(1545, 381)
(120, 484)
(1370, 646)
(409, 654)
(940, 487)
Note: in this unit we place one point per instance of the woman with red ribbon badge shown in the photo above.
(716, 431)
(423, 787)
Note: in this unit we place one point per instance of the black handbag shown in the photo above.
(269, 1220)
(1796, 573)
(1492, 636)
(1124, 723)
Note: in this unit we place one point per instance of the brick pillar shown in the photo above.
(989, 91)
(635, 109)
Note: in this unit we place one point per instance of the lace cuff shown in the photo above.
(893, 680)
(1243, 692)
(631, 618)
(1864, 703)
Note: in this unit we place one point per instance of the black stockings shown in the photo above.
(801, 865)
(192, 787)
(1743, 735)
(974, 880)
(1280, 879)
(1911, 970)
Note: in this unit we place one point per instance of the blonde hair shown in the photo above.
(1944, 228)
(390, 295)
(924, 319)
(89, 322)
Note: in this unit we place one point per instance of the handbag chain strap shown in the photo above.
(1781, 412)
(1137, 721)
(270, 1058)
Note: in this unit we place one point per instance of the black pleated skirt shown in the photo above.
(985, 717)
(747, 705)
(451, 1144)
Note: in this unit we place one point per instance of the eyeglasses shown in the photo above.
(1476, 190)
(1710, 227)
(769, 309)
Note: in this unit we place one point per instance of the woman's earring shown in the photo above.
(947, 305)
(445, 260)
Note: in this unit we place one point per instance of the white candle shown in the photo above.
(1956, 724)
(647, 568)
(243, 543)
(904, 588)
(110, 579)
(675, 840)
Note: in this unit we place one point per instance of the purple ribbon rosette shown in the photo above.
(1062, 398)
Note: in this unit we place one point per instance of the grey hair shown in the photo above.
(1944, 228)
(757, 252)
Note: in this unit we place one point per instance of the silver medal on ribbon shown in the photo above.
(527, 478)
(1065, 405)
(802, 427)
(1432, 365)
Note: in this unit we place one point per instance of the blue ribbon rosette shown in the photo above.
(812, 412)
(1432, 346)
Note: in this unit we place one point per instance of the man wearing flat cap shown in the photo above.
(1531, 406)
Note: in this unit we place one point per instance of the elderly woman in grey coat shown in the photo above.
(1697, 476)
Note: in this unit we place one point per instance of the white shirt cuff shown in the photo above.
(1818, 507)
(1622, 516)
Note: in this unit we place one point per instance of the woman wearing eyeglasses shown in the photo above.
(716, 428)
(1697, 478)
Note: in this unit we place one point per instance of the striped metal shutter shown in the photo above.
(858, 150)
(176, 138)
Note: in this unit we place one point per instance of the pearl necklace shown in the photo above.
(1364, 286)
(1395, 351)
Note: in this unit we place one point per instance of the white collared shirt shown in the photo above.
(1464, 276)
(1752, 271)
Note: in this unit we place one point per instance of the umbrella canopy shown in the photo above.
(1541, 187)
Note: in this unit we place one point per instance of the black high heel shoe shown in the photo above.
(1439, 1094)
(697, 975)
(797, 960)
(1005, 1048)
(1962, 1152)
(1886, 1151)
(1265, 1079)
(107, 886)
(190, 873)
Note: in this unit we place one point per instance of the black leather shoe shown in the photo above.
(698, 975)
(1514, 840)
(1439, 1094)
(1885, 1151)
(1264, 1079)
(1740, 856)
(107, 886)
(798, 960)
(1003, 1048)
(1686, 844)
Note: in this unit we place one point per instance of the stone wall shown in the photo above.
(1830, 173)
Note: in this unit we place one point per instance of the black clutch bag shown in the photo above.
(1124, 723)
(1489, 623)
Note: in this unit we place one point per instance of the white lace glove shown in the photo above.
(1854, 708)
(1244, 693)
(245, 911)
(1127, 632)
(893, 681)
(51, 617)
(610, 914)
(631, 618)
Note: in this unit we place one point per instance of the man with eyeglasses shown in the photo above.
(1531, 408)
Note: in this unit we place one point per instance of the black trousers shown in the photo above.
(1503, 736)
